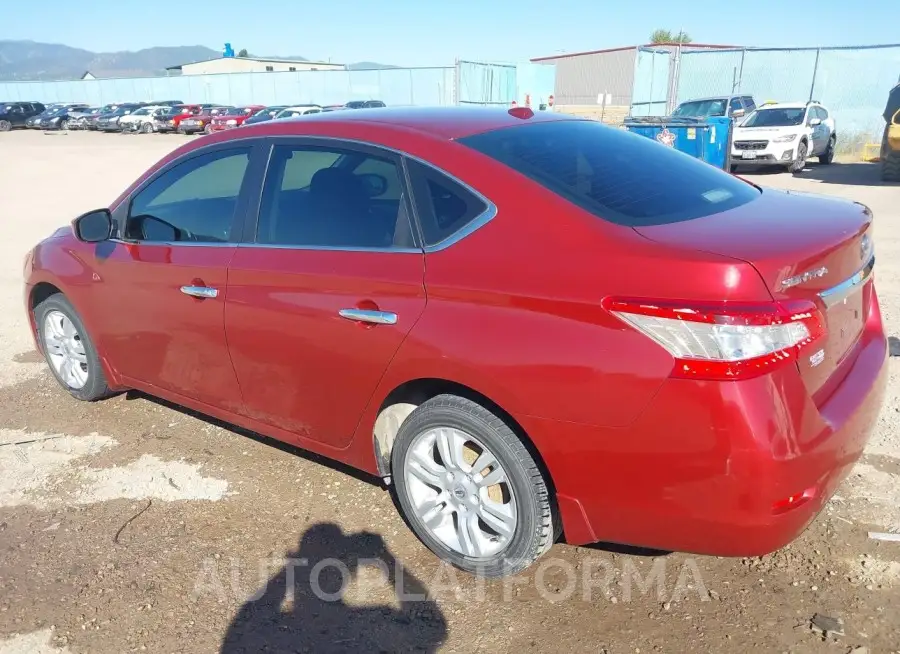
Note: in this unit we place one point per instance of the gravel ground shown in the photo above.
(130, 525)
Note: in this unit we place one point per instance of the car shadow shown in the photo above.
(860, 173)
(303, 607)
(260, 438)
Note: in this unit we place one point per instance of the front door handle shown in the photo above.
(204, 292)
(366, 315)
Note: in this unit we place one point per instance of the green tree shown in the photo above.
(243, 53)
(668, 36)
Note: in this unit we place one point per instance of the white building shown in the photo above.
(251, 65)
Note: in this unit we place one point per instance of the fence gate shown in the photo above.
(651, 82)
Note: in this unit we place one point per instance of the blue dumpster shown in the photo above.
(707, 139)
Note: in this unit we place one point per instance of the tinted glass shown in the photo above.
(319, 197)
(197, 198)
(735, 105)
(445, 206)
(775, 117)
(749, 103)
(713, 107)
(618, 176)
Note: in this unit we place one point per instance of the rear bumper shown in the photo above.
(705, 465)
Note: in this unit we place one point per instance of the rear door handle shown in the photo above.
(365, 315)
(200, 291)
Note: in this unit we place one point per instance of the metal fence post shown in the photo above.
(812, 85)
(740, 78)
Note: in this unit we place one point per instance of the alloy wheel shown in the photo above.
(460, 492)
(65, 349)
(5, 126)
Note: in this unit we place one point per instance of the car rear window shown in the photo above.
(620, 177)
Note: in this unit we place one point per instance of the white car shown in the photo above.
(298, 110)
(140, 120)
(785, 134)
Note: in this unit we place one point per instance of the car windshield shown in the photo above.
(234, 111)
(287, 113)
(140, 112)
(618, 176)
(775, 117)
(714, 107)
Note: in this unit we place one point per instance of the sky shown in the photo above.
(427, 33)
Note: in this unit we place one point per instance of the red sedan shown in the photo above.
(528, 324)
(233, 117)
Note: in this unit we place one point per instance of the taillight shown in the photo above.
(724, 341)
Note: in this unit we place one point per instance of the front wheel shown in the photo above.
(64, 124)
(147, 128)
(800, 162)
(828, 156)
(68, 349)
(470, 489)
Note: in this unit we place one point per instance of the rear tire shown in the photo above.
(800, 162)
(69, 350)
(5, 125)
(828, 156)
(495, 528)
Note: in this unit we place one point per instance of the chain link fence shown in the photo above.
(852, 82)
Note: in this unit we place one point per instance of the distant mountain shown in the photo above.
(369, 65)
(30, 60)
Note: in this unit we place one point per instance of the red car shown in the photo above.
(170, 120)
(201, 122)
(233, 117)
(528, 324)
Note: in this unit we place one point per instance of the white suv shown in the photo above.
(140, 120)
(784, 134)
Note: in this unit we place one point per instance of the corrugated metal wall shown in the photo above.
(396, 87)
(581, 78)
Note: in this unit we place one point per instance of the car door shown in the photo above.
(17, 116)
(819, 134)
(328, 287)
(165, 276)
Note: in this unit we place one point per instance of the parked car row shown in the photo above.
(162, 116)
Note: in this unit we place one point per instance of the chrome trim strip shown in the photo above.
(328, 248)
(373, 317)
(837, 294)
(195, 244)
(475, 224)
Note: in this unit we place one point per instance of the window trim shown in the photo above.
(252, 180)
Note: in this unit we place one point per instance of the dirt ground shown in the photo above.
(130, 525)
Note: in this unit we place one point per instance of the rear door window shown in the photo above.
(620, 177)
(444, 205)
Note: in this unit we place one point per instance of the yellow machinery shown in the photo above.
(890, 150)
(890, 143)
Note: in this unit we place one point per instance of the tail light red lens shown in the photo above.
(724, 341)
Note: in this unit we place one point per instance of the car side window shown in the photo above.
(194, 201)
(749, 104)
(444, 205)
(324, 197)
(735, 105)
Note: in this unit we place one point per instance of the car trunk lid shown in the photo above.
(805, 247)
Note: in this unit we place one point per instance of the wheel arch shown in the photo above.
(400, 402)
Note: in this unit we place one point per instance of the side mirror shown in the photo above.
(94, 226)
(815, 122)
(738, 113)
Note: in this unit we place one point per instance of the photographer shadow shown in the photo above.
(302, 608)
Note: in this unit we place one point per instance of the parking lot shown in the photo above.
(131, 525)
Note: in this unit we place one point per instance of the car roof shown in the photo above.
(303, 106)
(787, 105)
(441, 122)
